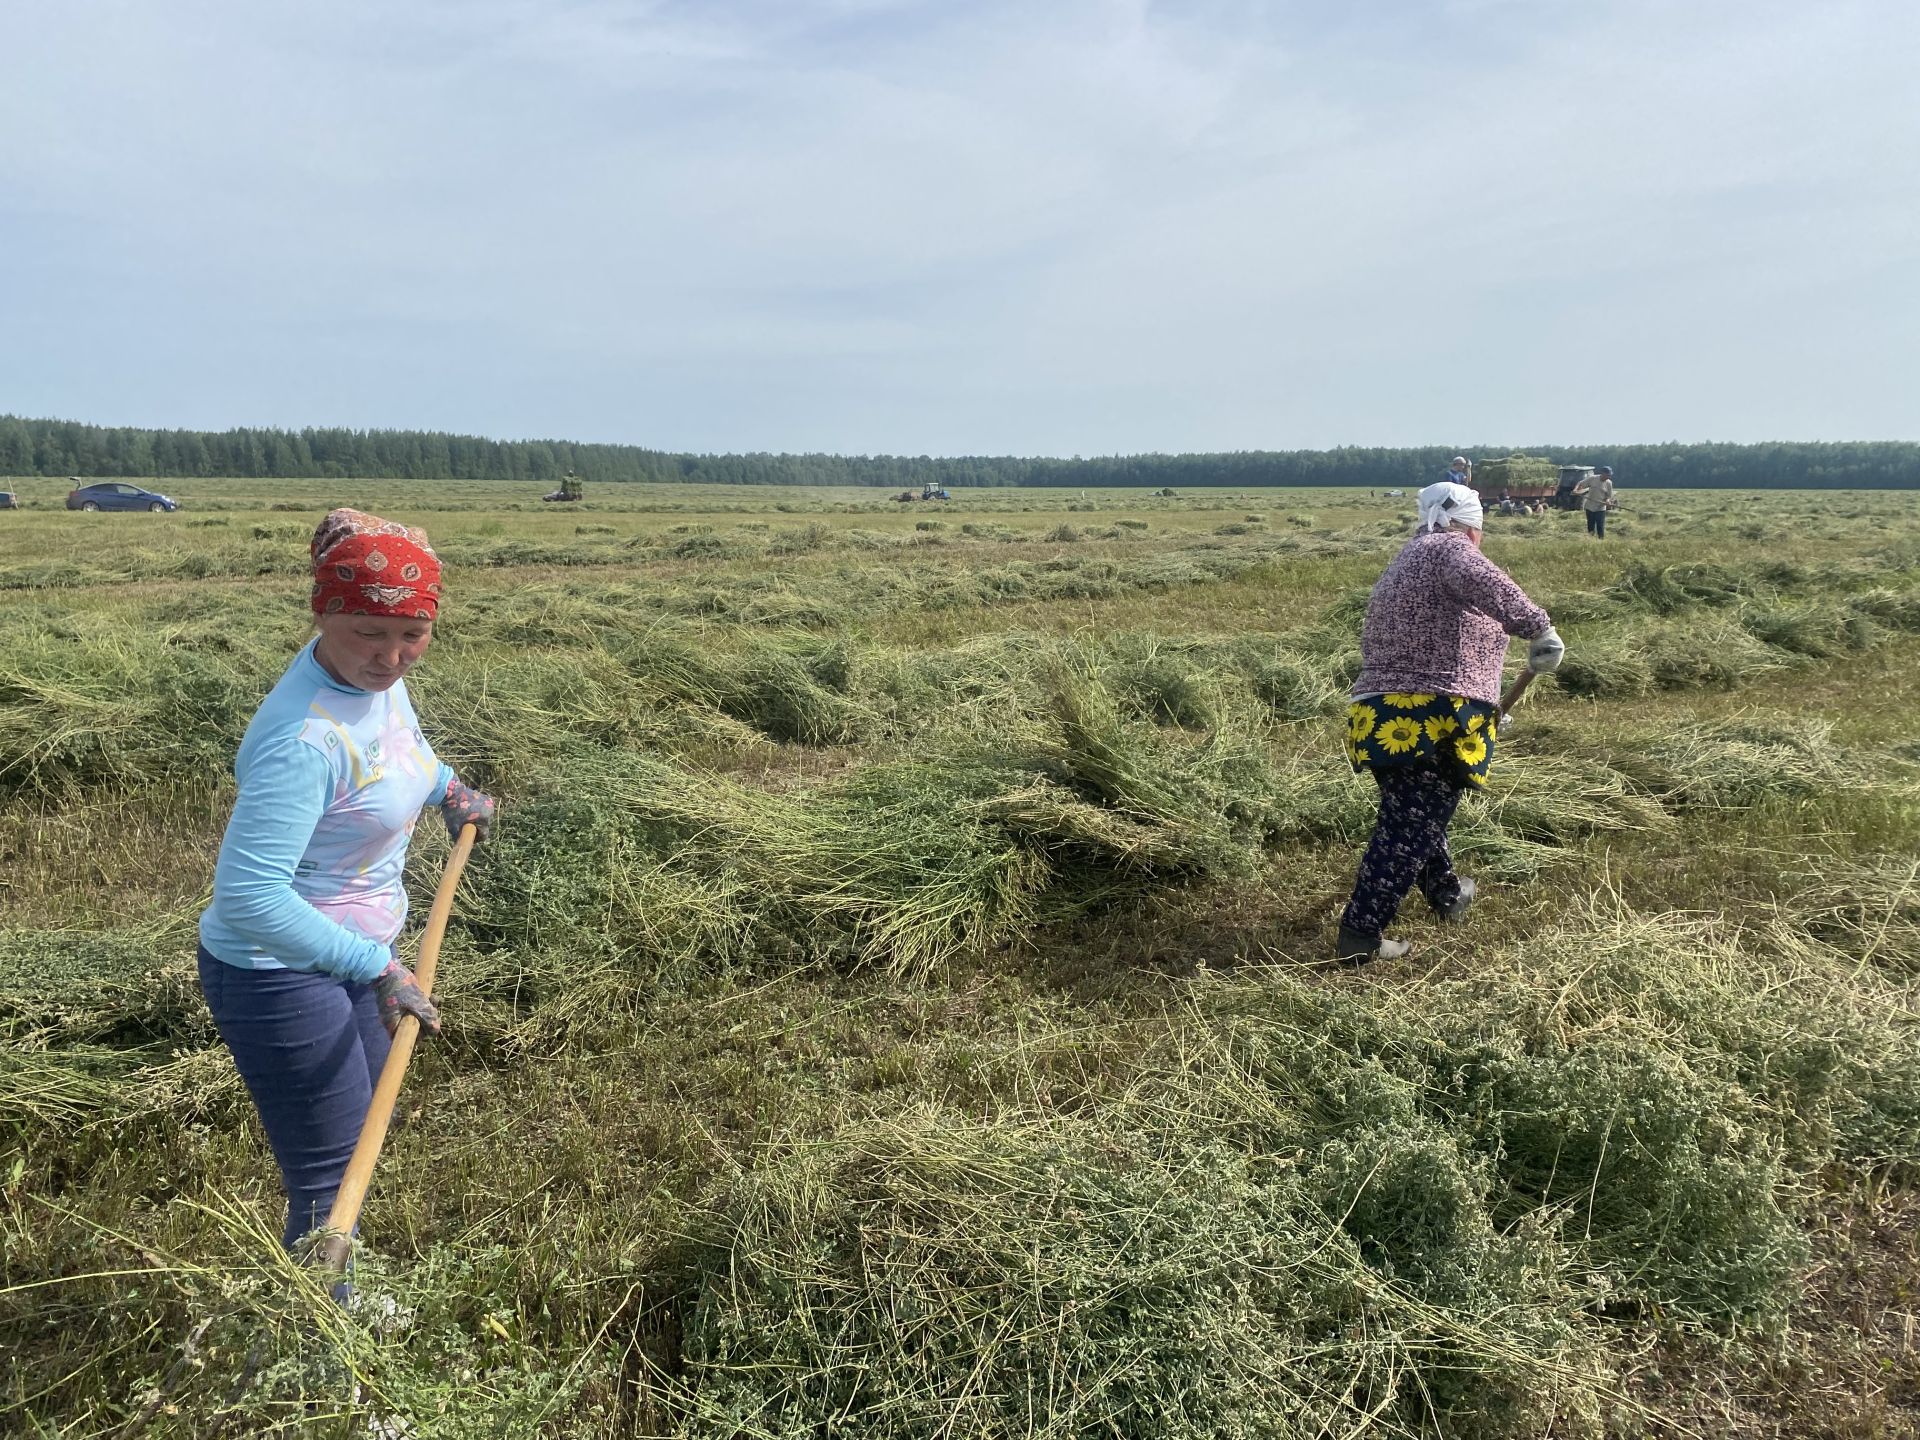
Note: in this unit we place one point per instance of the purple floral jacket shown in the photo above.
(1438, 622)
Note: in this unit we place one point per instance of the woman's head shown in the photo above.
(376, 591)
(1446, 505)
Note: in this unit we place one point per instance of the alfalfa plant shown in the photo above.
(1747, 759)
(1897, 609)
(1607, 665)
(888, 868)
(1291, 683)
(1160, 682)
(1557, 799)
(1670, 589)
(1819, 628)
(1625, 1080)
(1867, 909)
(1707, 651)
(790, 697)
(131, 988)
(1053, 1278)
(1220, 794)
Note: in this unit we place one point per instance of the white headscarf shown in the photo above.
(1445, 503)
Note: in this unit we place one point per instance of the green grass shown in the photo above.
(896, 1002)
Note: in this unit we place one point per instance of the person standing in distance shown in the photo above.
(1598, 493)
(296, 950)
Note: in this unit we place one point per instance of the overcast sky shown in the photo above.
(1060, 226)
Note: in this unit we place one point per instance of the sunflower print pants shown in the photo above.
(1409, 847)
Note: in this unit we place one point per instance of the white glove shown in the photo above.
(1545, 653)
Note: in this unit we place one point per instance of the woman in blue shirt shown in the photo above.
(296, 950)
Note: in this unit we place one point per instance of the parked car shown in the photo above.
(117, 495)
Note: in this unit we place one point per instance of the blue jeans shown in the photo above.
(309, 1047)
(1408, 848)
(1597, 523)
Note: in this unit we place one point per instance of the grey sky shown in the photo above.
(864, 225)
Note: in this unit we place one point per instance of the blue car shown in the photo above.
(116, 495)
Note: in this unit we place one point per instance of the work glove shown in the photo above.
(1545, 653)
(396, 994)
(464, 805)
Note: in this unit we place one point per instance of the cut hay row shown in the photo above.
(1746, 641)
(1324, 1213)
(1745, 760)
(904, 864)
(918, 567)
(851, 1037)
(910, 863)
(81, 709)
(1444, 1207)
(86, 707)
(1868, 910)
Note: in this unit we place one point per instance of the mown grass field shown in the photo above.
(895, 1004)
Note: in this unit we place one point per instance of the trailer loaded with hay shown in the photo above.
(1530, 478)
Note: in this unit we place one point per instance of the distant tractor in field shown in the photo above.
(570, 488)
(934, 492)
(1573, 480)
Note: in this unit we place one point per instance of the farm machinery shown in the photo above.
(1528, 479)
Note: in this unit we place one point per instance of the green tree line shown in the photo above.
(66, 447)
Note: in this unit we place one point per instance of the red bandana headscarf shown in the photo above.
(363, 565)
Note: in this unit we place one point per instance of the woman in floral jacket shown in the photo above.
(1425, 710)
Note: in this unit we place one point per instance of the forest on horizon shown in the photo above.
(40, 447)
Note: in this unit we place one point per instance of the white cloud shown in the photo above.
(1089, 226)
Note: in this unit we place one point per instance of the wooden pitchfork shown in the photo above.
(336, 1242)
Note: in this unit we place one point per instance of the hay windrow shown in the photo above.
(1744, 760)
(905, 864)
(1867, 910)
(1057, 1279)
(895, 1001)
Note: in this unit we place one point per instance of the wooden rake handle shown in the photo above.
(1513, 692)
(336, 1244)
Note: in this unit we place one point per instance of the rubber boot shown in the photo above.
(1456, 913)
(1357, 949)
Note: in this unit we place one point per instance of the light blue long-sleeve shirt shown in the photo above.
(332, 780)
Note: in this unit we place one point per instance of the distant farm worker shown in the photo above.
(296, 950)
(1425, 709)
(1598, 492)
(1459, 471)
